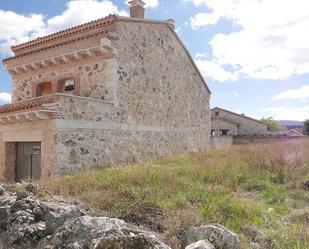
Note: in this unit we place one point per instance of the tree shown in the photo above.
(272, 125)
(306, 127)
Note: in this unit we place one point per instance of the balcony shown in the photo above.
(54, 106)
(40, 108)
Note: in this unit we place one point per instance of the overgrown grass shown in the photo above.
(255, 185)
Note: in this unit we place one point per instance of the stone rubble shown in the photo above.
(219, 236)
(29, 222)
(201, 244)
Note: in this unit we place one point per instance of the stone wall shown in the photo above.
(217, 125)
(158, 84)
(263, 140)
(218, 142)
(82, 148)
(90, 76)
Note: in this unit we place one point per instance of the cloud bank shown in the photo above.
(268, 40)
(5, 98)
(18, 28)
(301, 93)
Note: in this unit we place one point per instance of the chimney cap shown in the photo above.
(134, 3)
(137, 9)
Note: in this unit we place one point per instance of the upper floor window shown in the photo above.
(44, 88)
(217, 113)
(160, 42)
(66, 86)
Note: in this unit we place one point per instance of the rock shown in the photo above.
(27, 222)
(99, 233)
(57, 215)
(32, 188)
(219, 236)
(201, 244)
(3, 240)
(4, 213)
(22, 195)
(119, 242)
(306, 185)
(2, 191)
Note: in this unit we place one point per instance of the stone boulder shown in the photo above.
(2, 191)
(201, 244)
(101, 233)
(219, 236)
(27, 222)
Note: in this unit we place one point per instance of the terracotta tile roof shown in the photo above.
(27, 105)
(65, 33)
(55, 45)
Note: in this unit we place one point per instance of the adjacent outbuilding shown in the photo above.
(227, 123)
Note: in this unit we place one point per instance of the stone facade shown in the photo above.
(224, 122)
(137, 95)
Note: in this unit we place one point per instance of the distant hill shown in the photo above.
(291, 124)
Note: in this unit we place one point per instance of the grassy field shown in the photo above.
(255, 186)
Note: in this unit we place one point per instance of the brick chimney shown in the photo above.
(137, 9)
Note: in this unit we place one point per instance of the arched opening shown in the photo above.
(44, 88)
(66, 86)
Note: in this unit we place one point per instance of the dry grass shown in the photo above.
(234, 187)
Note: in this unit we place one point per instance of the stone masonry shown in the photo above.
(137, 95)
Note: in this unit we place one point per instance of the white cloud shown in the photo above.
(288, 113)
(5, 97)
(18, 28)
(200, 55)
(301, 93)
(268, 41)
(213, 70)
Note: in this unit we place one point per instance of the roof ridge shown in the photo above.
(238, 114)
(44, 39)
(55, 45)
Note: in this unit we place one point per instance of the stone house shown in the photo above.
(112, 91)
(224, 123)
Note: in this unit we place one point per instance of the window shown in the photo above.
(66, 86)
(213, 132)
(160, 42)
(217, 113)
(69, 85)
(224, 132)
(44, 88)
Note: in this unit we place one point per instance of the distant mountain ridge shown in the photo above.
(291, 123)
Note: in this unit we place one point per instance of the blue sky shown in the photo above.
(254, 54)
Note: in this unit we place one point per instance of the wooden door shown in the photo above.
(28, 161)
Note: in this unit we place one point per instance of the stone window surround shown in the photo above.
(55, 82)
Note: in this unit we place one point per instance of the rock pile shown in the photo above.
(28, 222)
